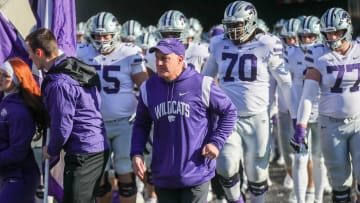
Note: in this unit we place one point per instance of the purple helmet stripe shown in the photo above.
(330, 17)
(231, 11)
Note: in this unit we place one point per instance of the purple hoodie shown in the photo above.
(182, 112)
(17, 127)
(76, 122)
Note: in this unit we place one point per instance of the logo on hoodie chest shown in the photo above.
(172, 108)
(3, 112)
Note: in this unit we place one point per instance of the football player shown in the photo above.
(244, 61)
(120, 66)
(307, 34)
(130, 30)
(334, 69)
(174, 23)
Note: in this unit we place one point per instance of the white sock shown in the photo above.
(300, 176)
(257, 198)
(233, 193)
(320, 178)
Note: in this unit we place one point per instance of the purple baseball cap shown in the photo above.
(168, 46)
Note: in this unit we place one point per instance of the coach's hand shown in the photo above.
(210, 151)
(138, 166)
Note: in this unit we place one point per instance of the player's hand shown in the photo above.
(298, 142)
(210, 151)
(138, 166)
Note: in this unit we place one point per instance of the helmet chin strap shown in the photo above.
(338, 44)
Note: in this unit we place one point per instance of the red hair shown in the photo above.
(24, 76)
(30, 92)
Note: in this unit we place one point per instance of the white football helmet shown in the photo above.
(87, 30)
(131, 29)
(147, 40)
(278, 26)
(80, 28)
(195, 29)
(104, 23)
(150, 28)
(262, 25)
(173, 23)
(335, 19)
(310, 25)
(291, 28)
(239, 21)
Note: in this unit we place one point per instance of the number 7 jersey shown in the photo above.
(340, 78)
(244, 71)
(115, 70)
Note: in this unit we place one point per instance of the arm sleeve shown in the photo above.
(309, 94)
(221, 105)
(137, 62)
(210, 67)
(61, 100)
(283, 79)
(142, 125)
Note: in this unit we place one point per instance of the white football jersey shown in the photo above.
(340, 80)
(243, 71)
(295, 62)
(214, 40)
(196, 54)
(150, 60)
(115, 70)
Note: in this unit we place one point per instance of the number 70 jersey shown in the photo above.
(244, 71)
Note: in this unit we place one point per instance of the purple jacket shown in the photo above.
(182, 112)
(76, 122)
(17, 128)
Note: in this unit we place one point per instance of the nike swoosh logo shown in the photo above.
(182, 93)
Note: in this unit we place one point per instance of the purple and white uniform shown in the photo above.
(196, 54)
(244, 73)
(339, 111)
(118, 99)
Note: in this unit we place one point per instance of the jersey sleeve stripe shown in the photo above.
(206, 84)
(144, 93)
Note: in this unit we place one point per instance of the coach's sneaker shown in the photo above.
(288, 182)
